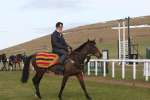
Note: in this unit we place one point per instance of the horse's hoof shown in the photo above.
(60, 97)
(89, 98)
(38, 96)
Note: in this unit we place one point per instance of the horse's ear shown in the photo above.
(93, 40)
(88, 40)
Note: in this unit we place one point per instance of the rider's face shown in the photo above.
(60, 29)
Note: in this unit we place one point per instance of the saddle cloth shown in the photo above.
(46, 60)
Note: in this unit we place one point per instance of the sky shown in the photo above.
(24, 20)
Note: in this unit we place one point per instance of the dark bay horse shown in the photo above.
(73, 66)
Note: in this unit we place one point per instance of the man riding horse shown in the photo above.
(59, 45)
(72, 63)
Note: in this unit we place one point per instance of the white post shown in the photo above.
(96, 69)
(134, 70)
(104, 69)
(123, 70)
(113, 69)
(124, 41)
(146, 74)
(119, 38)
(89, 68)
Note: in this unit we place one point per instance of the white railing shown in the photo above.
(123, 63)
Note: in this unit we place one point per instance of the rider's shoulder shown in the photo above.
(55, 33)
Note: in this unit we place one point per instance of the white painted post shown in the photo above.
(119, 38)
(124, 41)
(134, 70)
(113, 69)
(146, 76)
(89, 68)
(96, 69)
(104, 68)
(123, 70)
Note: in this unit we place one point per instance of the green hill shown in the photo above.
(105, 36)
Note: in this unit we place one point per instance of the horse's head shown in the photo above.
(92, 48)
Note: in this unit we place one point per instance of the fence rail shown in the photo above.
(146, 67)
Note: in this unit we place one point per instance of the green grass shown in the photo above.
(128, 72)
(12, 89)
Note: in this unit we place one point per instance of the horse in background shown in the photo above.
(15, 60)
(3, 59)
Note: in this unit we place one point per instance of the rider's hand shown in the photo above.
(69, 49)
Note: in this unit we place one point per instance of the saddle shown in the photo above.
(46, 59)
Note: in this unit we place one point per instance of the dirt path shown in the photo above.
(131, 83)
(100, 79)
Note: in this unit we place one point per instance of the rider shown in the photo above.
(59, 45)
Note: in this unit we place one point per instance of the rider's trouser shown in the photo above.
(62, 53)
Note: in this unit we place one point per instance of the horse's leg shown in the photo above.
(19, 66)
(65, 78)
(36, 81)
(12, 66)
(8, 67)
(2, 69)
(15, 67)
(5, 66)
(81, 81)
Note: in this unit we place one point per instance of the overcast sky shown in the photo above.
(23, 20)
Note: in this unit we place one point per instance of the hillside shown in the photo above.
(105, 36)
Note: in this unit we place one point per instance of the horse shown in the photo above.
(3, 59)
(74, 66)
(21, 58)
(15, 60)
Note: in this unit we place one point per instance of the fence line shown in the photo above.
(146, 63)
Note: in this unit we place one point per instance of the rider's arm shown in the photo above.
(68, 46)
(55, 42)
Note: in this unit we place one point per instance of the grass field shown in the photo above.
(12, 89)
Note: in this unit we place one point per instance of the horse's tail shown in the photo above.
(25, 73)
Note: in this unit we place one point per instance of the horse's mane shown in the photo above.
(80, 47)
